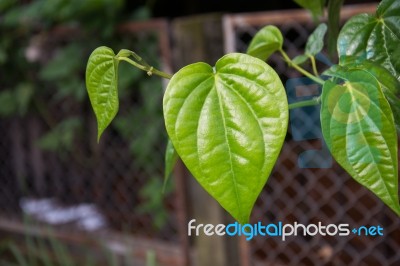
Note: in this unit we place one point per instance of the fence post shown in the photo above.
(195, 39)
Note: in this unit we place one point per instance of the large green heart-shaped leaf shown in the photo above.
(101, 84)
(374, 37)
(266, 42)
(358, 127)
(228, 125)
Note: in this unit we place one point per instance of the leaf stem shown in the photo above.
(311, 102)
(314, 66)
(149, 69)
(300, 69)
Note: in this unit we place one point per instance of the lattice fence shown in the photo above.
(307, 186)
(118, 181)
(68, 180)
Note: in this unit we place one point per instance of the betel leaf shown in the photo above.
(101, 84)
(266, 42)
(375, 37)
(171, 156)
(315, 42)
(390, 85)
(358, 127)
(228, 125)
(316, 7)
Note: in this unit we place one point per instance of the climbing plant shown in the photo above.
(228, 122)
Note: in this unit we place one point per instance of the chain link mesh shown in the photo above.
(118, 182)
(307, 186)
(115, 184)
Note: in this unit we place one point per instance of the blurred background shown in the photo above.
(67, 200)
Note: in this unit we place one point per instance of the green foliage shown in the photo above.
(374, 37)
(358, 127)
(316, 7)
(59, 69)
(42, 75)
(314, 45)
(227, 123)
(56, 11)
(315, 42)
(101, 84)
(389, 84)
(228, 126)
(266, 42)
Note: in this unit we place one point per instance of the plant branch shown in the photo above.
(300, 69)
(311, 102)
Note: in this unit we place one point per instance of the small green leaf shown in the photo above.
(267, 41)
(315, 42)
(300, 59)
(101, 84)
(228, 125)
(171, 156)
(358, 127)
(316, 7)
(390, 85)
(374, 37)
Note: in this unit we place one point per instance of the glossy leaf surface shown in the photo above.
(228, 125)
(375, 37)
(358, 127)
(390, 85)
(101, 84)
(267, 41)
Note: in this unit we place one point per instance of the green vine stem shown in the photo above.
(300, 69)
(138, 62)
(314, 66)
(149, 69)
(311, 102)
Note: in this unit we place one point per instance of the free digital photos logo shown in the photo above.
(281, 230)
